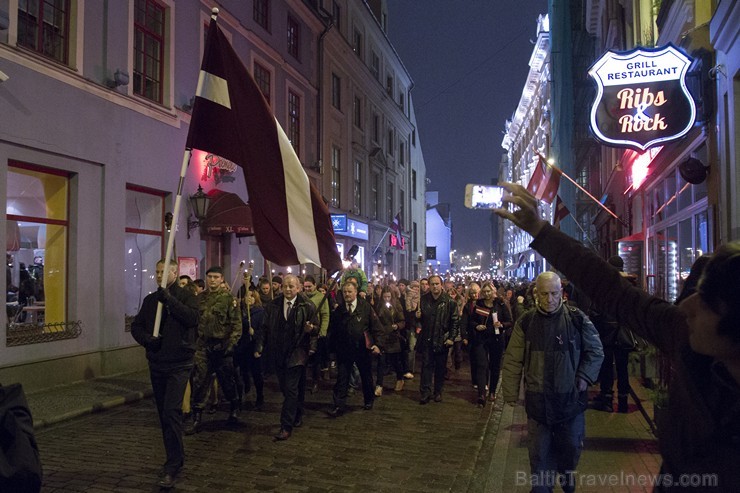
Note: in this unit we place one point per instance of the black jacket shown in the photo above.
(177, 329)
(439, 321)
(347, 332)
(292, 348)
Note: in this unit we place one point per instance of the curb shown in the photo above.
(94, 408)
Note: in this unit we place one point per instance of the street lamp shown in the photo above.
(199, 202)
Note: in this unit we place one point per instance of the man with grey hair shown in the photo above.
(563, 354)
(290, 329)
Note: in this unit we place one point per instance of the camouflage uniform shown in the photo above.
(219, 330)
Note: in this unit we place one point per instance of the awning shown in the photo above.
(227, 213)
(634, 237)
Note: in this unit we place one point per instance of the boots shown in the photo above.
(622, 406)
(194, 426)
(234, 413)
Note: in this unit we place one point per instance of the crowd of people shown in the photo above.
(561, 336)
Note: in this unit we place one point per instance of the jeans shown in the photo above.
(555, 450)
(169, 387)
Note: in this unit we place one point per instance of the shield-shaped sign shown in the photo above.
(642, 99)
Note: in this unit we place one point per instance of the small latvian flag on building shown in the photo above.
(561, 212)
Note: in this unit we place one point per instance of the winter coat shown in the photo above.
(350, 332)
(287, 341)
(700, 432)
(478, 313)
(553, 350)
(390, 340)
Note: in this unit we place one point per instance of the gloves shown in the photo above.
(163, 295)
(154, 344)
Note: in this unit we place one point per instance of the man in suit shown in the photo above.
(352, 330)
(290, 328)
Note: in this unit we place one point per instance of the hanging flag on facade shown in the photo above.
(396, 228)
(561, 212)
(545, 181)
(522, 256)
(232, 120)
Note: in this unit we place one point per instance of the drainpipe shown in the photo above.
(319, 97)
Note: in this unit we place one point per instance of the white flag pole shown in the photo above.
(171, 237)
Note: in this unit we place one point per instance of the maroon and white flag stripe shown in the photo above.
(561, 212)
(232, 120)
(545, 181)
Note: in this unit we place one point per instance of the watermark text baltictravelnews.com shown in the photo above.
(621, 478)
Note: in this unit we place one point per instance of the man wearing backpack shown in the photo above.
(562, 353)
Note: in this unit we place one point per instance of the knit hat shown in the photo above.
(616, 261)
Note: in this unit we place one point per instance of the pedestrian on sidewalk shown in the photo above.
(249, 367)
(390, 316)
(170, 357)
(436, 329)
(563, 355)
(700, 435)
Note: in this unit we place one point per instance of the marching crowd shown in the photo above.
(560, 336)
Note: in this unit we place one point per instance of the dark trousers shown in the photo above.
(320, 359)
(457, 354)
(395, 360)
(169, 389)
(473, 365)
(208, 362)
(361, 357)
(248, 366)
(433, 367)
(555, 449)
(487, 355)
(293, 386)
(614, 357)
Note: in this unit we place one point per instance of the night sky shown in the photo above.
(469, 61)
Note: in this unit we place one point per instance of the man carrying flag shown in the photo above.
(232, 120)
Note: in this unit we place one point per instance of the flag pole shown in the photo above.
(579, 187)
(381, 241)
(583, 231)
(171, 238)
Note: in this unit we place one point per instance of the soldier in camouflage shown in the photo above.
(219, 330)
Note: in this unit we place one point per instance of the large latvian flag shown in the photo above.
(232, 120)
(544, 182)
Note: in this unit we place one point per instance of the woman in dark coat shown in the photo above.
(391, 341)
(486, 326)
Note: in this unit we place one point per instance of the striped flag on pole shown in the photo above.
(232, 120)
(396, 228)
(561, 212)
(545, 181)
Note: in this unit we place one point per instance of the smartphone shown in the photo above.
(483, 196)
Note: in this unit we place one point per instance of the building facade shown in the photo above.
(99, 95)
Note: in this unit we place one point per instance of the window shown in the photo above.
(149, 37)
(262, 78)
(294, 121)
(294, 38)
(357, 43)
(389, 202)
(37, 214)
(402, 101)
(336, 163)
(336, 14)
(43, 26)
(413, 183)
(358, 188)
(376, 128)
(357, 110)
(402, 153)
(336, 91)
(143, 244)
(375, 66)
(390, 144)
(375, 195)
(389, 85)
(261, 13)
(413, 238)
